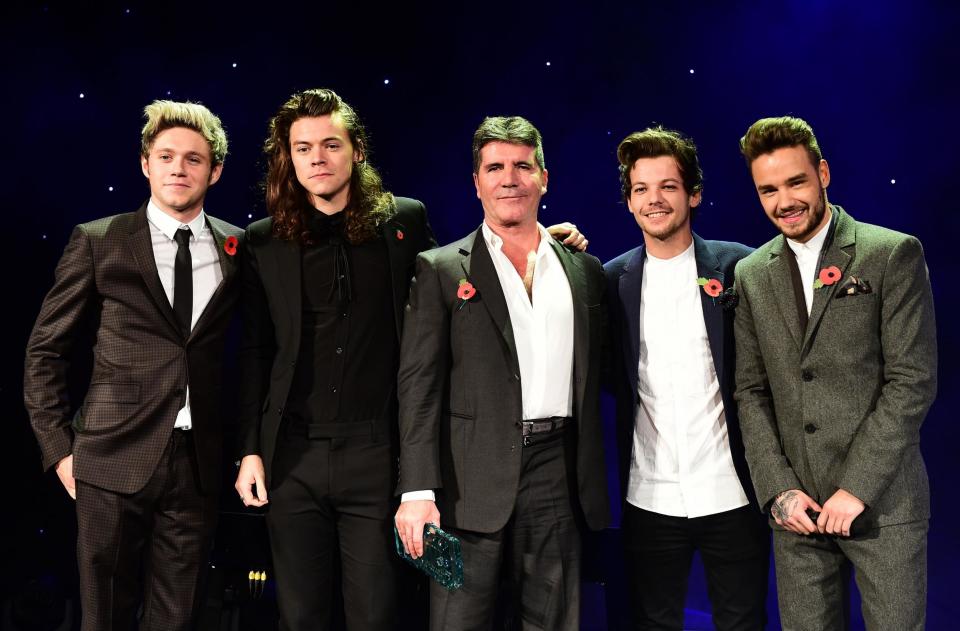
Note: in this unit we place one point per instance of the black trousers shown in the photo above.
(735, 548)
(537, 553)
(162, 533)
(332, 498)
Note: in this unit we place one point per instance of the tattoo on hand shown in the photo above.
(783, 506)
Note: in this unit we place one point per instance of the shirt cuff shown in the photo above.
(411, 496)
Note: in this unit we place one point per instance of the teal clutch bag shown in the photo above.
(441, 560)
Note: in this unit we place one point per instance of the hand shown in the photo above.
(838, 513)
(789, 509)
(410, 519)
(250, 475)
(570, 235)
(65, 473)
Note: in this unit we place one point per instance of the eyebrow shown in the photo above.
(307, 142)
(669, 180)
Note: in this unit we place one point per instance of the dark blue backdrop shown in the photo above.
(876, 80)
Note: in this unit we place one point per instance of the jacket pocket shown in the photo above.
(108, 392)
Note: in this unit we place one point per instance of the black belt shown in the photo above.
(536, 426)
(345, 429)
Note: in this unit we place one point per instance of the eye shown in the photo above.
(301, 149)
(194, 160)
(670, 187)
(332, 146)
(639, 190)
(164, 156)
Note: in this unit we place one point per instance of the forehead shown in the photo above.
(781, 164)
(655, 169)
(181, 139)
(507, 152)
(318, 127)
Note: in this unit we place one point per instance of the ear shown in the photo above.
(823, 170)
(144, 167)
(476, 184)
(543, 187)
(215, 174)
(695, 199)
(358, 154)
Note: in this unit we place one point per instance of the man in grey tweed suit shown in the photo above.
(142, 453)
(836, 368)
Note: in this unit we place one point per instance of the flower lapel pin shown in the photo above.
(230, 245)
(465, 291)
(827, 277)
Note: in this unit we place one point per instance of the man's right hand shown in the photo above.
(410, 520)
(65, 473)
(251, 476)
(789, 509)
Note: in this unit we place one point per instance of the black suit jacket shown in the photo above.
(142, 363)
(271, 307)
(715, 259)
(459, 386)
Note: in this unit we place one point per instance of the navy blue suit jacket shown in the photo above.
(715, 260)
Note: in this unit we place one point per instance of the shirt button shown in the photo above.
(333, 389)
(807, 375)
(516, 377)
(809, 428)
(339, 350)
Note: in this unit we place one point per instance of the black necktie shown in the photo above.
(798, 294)
(183, 281)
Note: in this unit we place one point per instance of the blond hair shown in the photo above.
(163, 115)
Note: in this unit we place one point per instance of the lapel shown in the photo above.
(781, 288)
(286, 255)
(479, 269)
(581, 317)
(227, 270)
(399, 270)
(837, 254)
(141, 247)
(708, 266)
(630, 285)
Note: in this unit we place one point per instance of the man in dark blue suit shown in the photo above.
(680, 454)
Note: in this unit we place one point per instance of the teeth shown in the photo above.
(656, 214)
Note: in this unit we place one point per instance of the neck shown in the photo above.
(332, 204)
(519, 241)
(670, 247)
(183, 216)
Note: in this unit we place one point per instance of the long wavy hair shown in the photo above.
(369, 205)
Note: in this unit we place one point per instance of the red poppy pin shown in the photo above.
(465, 291)
(230, 245)
(399, 235)
(711, 286)
(827, 277)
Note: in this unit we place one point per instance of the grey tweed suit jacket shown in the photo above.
(141, 361)
(839, 405)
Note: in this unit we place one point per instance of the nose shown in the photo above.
(178, 166)
(784, 200)
(655, 196)
(510, 178)
(318, 157)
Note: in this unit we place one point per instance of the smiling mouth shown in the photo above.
(657, 214)
(791, 216)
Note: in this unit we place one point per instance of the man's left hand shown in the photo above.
(838, 514)
(569, 234)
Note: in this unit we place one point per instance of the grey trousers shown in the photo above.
(890, 567)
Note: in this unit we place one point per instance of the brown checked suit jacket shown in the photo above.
(141, 362)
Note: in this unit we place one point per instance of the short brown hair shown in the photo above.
(654, 142)
(514, 130)
(164, 115)
(769, 134)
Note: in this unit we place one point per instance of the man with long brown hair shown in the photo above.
(324, 291)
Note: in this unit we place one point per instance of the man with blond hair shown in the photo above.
(141, 453)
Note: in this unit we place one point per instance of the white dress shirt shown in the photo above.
(542, 330)
(681, 464)
(807, 256)
(207, 274)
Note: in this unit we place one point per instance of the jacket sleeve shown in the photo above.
(769, 469)
(422, 380)
(257, 351)
(50, 345)
(909, 342)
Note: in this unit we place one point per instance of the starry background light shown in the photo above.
(876, 80)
